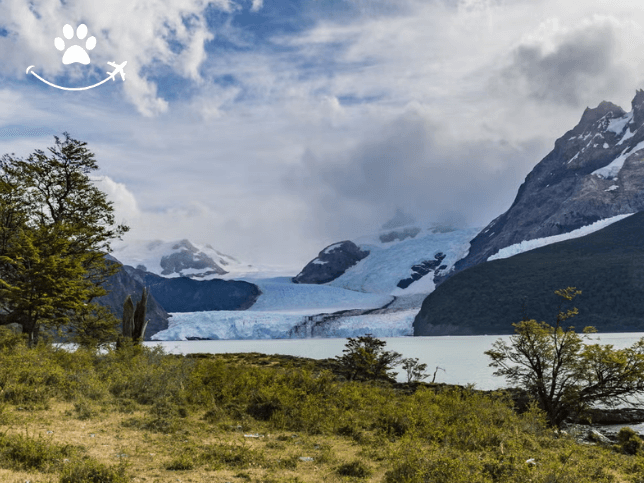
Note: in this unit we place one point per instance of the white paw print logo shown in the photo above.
(75, 53)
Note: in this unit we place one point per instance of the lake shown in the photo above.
(461, 357)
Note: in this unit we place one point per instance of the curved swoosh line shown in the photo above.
(69, 88)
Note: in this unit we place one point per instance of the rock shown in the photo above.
(612, 416)
(584, 435)
(422, 269)
(330, 263)
(399, 219)
(594, 435)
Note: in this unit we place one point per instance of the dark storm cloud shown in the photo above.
(407, 165)
(580, 66)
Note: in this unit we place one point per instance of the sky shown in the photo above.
(270, 129)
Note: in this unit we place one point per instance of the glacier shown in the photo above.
(289, 310)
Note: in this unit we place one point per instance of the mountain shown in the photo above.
(594, 172)
(179, 258)
(183, 294)
(607, 266)
(403, 258)
(119, 286)
(330, 263)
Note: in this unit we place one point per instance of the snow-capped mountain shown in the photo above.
(594, 172)
(179, 258)
(400, 259)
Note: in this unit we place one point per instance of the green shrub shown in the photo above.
(90, 471)
(10, 339)
(628, 441)
(231, 456)
(163, 417)
(84, 410)
(289, 463)
(145, 375)
(181, 463)
(18, 452)
(355, 468)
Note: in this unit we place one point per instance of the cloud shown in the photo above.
(559, 64)
(413, 163)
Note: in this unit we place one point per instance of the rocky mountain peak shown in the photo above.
(638, 108)
(595, 171)
(591, 116)
(331, 262)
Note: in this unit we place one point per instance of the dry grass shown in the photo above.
(107, 438)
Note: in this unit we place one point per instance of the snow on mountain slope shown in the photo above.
(525, 246)
(389, 262)
(179, 258)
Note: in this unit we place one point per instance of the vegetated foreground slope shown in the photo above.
(139, 415)
(608, 266)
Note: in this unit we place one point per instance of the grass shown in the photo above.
(141, 415)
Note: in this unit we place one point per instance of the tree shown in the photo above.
(561, 372)
(415, 371)
(134, 322)
(365, 359)
(93, 326)
(56, 227)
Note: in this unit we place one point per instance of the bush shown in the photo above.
(628, 441)
(181, 463)
(231, 456)
(355, 468)
(19, 452)
(90, 471)
(146, 375)
(365, 359)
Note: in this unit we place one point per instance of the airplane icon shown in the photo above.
(118, 69)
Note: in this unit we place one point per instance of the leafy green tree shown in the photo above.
(365, 359)
(564, 374)
(415, 371)
(56, 228)
(93, 326)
